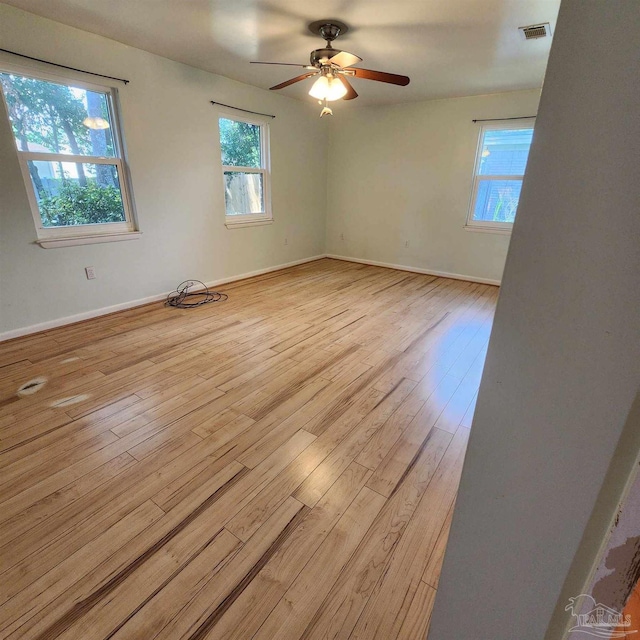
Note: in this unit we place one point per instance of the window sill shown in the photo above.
(72, 241)
(499, 230)
(236, 224)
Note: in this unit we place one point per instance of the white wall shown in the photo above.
(170, 128)
(392, 175)
(563, 365)
(403, 173)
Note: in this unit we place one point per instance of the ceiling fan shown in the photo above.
(333, 67)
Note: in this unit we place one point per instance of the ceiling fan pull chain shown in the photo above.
(326, 111)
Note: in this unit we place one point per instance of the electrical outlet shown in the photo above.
(91, 273)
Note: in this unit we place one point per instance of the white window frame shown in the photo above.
(49, 237)
(483, 225)
(248, 219)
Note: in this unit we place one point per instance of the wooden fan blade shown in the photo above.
(344, 59)
(351, 92)
(304, 76)
(381, 76)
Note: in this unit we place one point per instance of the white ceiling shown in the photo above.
(447, 47)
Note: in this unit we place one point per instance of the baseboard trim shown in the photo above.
(104, 311)
(429, 272)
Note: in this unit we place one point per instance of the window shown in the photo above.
(501, 159)
(244, 148)
(70, 152)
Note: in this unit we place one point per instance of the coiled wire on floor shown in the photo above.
(183, 298)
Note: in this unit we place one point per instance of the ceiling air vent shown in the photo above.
(534, 31)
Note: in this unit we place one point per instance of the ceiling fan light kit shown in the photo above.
(328, 88)
(334, 66)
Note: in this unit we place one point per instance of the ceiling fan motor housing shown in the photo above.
(321, 56)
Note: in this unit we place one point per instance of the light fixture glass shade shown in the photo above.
(336, 89)
(319, 88)
(328, 88)
(95, 122)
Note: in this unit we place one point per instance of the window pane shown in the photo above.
(497, 200)
(240, 143)
(505, 152)
(70, 193)
(243, 193)
(56, 118)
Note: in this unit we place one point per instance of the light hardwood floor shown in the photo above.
(281, 465)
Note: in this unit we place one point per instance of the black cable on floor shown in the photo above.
(182, 298)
